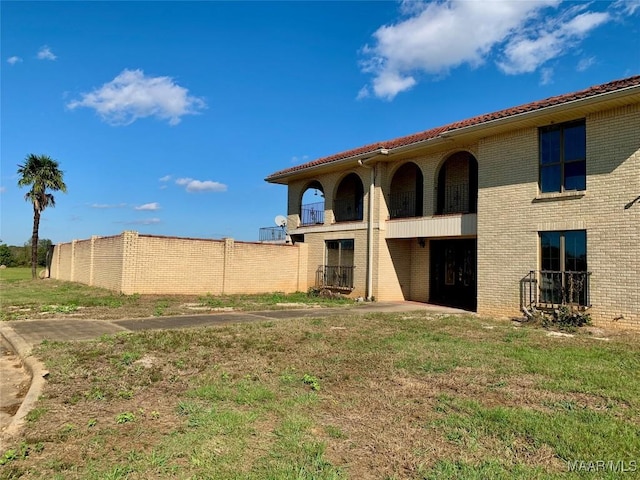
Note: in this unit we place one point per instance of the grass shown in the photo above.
(350, 396)
(24, 298)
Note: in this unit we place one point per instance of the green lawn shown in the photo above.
(23, 298)
(379, 396)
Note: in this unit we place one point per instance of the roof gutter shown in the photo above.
(361, 157)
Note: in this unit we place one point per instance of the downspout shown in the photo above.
(372, 183)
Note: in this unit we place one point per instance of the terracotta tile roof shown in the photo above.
(434, 132)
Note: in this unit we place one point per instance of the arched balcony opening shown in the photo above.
(458, 185)
(312, 205)
(348, 203)
(405, 198)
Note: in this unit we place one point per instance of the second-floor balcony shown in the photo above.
(312, 214)
(347, 210)
(402, 205)
(272, 234)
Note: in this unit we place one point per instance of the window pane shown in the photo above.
(575, 251)
(550, 178)
(550, 147)
(346, 244)
(575, 143)
(550, 251)
(575, 176)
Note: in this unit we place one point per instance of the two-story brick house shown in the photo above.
(532, 205)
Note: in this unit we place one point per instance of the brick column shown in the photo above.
(129, 262)
(229, 244)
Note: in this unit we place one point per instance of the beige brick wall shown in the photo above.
(82, 263)
(394, 267)
(61, 264)
(132, 263)
(177, 265)
(252, 266)
(511, 213)
(108, 262)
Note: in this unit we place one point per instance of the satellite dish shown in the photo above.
(281, 220)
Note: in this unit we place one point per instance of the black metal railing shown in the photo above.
(402, 205)
(456, 199)
(272, 234)
(347, 210)
(335, 276)
(552, 289)
(312, 214)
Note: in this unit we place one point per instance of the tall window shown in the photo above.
(563, 267)
(338, 270)
(563, 157)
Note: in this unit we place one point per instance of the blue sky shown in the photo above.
(166, 116)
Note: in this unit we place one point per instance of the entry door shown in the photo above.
(453, 273)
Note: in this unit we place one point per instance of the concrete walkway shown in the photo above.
(33, 332)
(19, 367)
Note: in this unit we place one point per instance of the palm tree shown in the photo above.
(42, 173)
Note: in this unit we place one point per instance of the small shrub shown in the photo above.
(125, 417)
(312, 381)
(563, 318)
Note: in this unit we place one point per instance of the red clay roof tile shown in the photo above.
(434, 132)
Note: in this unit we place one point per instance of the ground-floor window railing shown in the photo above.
(552, 289)
(335, 276)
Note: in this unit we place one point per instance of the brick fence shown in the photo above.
(148, 264)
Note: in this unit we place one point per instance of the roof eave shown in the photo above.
(489, 127)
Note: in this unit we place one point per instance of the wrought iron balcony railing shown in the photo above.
(552, 289)
(456, 199)
(312, 214)
(272, 234)
(335, 276)
(402, 205)
(347, 210)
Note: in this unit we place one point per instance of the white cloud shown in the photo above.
(13, 60)
(364, 92)
(528, 51)
(166, 178)
(45, 53)
(107, 205)
(148, 206)
(192, 185)
(546, 76)
(585, 64)
(3, 189)
(132, 95)
(628, 7)
(436, 36)
(296, 159)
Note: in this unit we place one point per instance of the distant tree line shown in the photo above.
(20, 256)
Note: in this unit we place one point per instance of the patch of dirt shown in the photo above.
(14, 385)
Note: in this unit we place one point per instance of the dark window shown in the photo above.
(563, 267)
(563, 157)
(338, 269)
